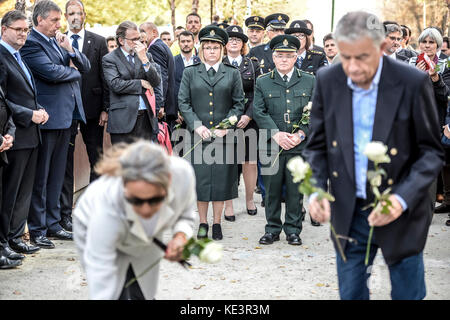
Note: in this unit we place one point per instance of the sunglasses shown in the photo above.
(139, 202)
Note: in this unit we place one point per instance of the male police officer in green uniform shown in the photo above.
(275, 25)
(280, 97)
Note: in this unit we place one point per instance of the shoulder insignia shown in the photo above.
(272, 74)
(309, 56)
(254, 58)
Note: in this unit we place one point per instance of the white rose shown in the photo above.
(298, 168)
(308, 107)
(212, 253)
(233, 120)
(376, 181)
(376, 152)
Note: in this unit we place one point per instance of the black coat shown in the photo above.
(406, 121)
(179, 68)
(313, 61)
(22, 100)
(163, 57)
(94, 91)
(6, 124)
(264, 55)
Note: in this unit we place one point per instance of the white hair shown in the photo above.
(358, 24)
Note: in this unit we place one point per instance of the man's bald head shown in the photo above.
(150, 29)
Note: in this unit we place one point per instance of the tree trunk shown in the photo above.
(195, 4)
(172, 9)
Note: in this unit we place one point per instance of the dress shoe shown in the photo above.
(66, 223)
(258, 190)
(61, 235)
(443, 208)
(217, 232)
(18, 245)
(6, 263)
(447, 223)
(11, 254)
(263, 203)
(252, 212)
(202, 231)
(42, 242)
(294, 239)
(314, 223)
(229, 218)
(269, 238)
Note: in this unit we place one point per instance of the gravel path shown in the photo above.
(248, 270)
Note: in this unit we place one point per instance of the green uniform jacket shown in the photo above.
(205, 101)
(210, 101)
(275, 102)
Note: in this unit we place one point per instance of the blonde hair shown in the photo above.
(200, 50)
(141, 160)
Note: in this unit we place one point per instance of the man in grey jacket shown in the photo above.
(131, 78)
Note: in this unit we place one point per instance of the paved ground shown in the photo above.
(247, 271)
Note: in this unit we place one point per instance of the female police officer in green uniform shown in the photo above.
(209, 93)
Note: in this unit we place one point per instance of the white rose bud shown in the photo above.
(212, 253)
(233, 120)
(376, 152)
(298, 168)
(376, 181)
(308, 107)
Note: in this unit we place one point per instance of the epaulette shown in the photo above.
(306, 72)
(316, 52)
(265, 74)
(254, 59)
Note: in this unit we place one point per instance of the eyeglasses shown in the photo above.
(395, 39)
(134, 39)
(300, 36)
(211, 48)
(237, 40)
(139, 202)
(20, 30)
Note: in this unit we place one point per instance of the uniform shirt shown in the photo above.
(289, 75)
(142, 105)
(238, 59)
(80, 40)
(216, 66)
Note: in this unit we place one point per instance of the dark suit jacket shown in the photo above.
(163, 57)
(6, 123)
(125, 88)
(57, 84)
(264, 56)
(94, 91)
(179, 68)
(22, 100)
(405, 119)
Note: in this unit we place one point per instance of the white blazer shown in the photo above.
(109, 235)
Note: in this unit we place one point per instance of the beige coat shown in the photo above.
(109, 235)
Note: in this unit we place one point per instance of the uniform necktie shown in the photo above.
(75, 38)
(299, 62)
(19, 60)
(285, 78)
(234, 63)
(211, 72)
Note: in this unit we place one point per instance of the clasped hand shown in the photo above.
(287, 140)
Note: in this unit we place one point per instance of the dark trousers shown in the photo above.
(17, 181)
(133, 292)
(93, 139)
(274, 192)
(142, 130)
(44, 211)
(407, 276)
(446, 177)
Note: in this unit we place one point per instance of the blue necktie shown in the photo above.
(25, 70)
(234, 63)
(130, 59)
(75, 38)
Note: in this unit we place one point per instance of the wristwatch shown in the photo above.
(146, 64)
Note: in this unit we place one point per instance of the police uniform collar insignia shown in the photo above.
(235, 29)
(212, 33)
(285, 42)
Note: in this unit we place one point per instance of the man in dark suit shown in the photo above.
(94, 94)
(370, 97)
(129, 74)
(22, 157)
(7, 131)
(163, 57)
(393, 43)
(184, 59)
(57, 68)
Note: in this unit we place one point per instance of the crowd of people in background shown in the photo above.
(140, 82)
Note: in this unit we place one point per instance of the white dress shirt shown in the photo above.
(80, 40)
